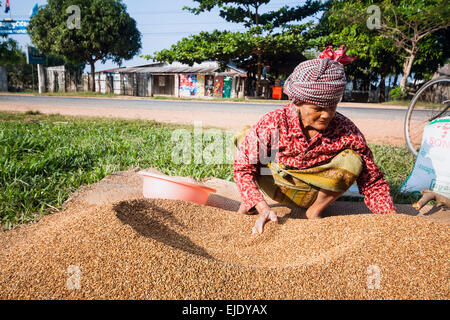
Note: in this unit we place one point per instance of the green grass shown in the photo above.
(396, 164)
(45, 158)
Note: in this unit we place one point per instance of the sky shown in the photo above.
(161, 23)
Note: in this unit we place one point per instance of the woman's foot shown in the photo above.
(313, 213)
(323, 200)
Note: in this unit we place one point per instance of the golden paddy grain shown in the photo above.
(170, 249)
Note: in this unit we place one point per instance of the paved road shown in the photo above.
(194, 106)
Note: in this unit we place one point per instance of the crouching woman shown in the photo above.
(306, 154)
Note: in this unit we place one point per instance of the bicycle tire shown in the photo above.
(411, 108)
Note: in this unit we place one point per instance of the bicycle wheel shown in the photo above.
(431, 102)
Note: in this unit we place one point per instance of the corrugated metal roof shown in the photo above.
(236, 69)
(110, 70)
(176, 67)
(232, 74)
(124, 69)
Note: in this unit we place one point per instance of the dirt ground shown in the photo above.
(375, 131)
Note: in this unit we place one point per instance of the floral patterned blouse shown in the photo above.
(295, 151)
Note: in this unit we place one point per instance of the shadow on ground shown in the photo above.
(151, 221)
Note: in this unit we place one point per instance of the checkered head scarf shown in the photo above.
(319, 81)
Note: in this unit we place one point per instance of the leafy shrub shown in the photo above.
(397, 94)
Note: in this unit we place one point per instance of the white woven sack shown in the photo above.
(432, 168)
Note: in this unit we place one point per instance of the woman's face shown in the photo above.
(315, 117)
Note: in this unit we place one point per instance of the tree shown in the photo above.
(106, 32)
(14, 60)
(19, 73)
(377, 57)
(407, 23)
(241, 48)
(433, 52)
(252, 47)
(9, 52)
(247, 11)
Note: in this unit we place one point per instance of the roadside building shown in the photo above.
(443, 71)
(55, 79)
(179, 80)
(60, 79)
(107, 81)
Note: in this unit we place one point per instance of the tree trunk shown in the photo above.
(92, 75)
(407, 66)
(382, 87)
(394, 83)
(258, 76)
(258, 66)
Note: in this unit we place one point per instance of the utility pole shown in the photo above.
(35, 57)
(32, 78)
(41, 78)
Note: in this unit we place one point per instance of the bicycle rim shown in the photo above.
(431, 102)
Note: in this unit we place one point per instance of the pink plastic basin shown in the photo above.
(164, 187)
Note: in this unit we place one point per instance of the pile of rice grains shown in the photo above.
(170, 249)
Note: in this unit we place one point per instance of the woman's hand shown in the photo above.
(265, 214)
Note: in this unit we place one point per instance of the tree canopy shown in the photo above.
(240, 48)
(9, 51)
(376, 54)
(247, 11)
(106, 32)
(406, 28)
(271, 37)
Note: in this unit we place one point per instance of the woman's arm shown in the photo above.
(246, 166)
(247, 163)
(371, 183)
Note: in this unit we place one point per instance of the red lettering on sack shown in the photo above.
(439, 143)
